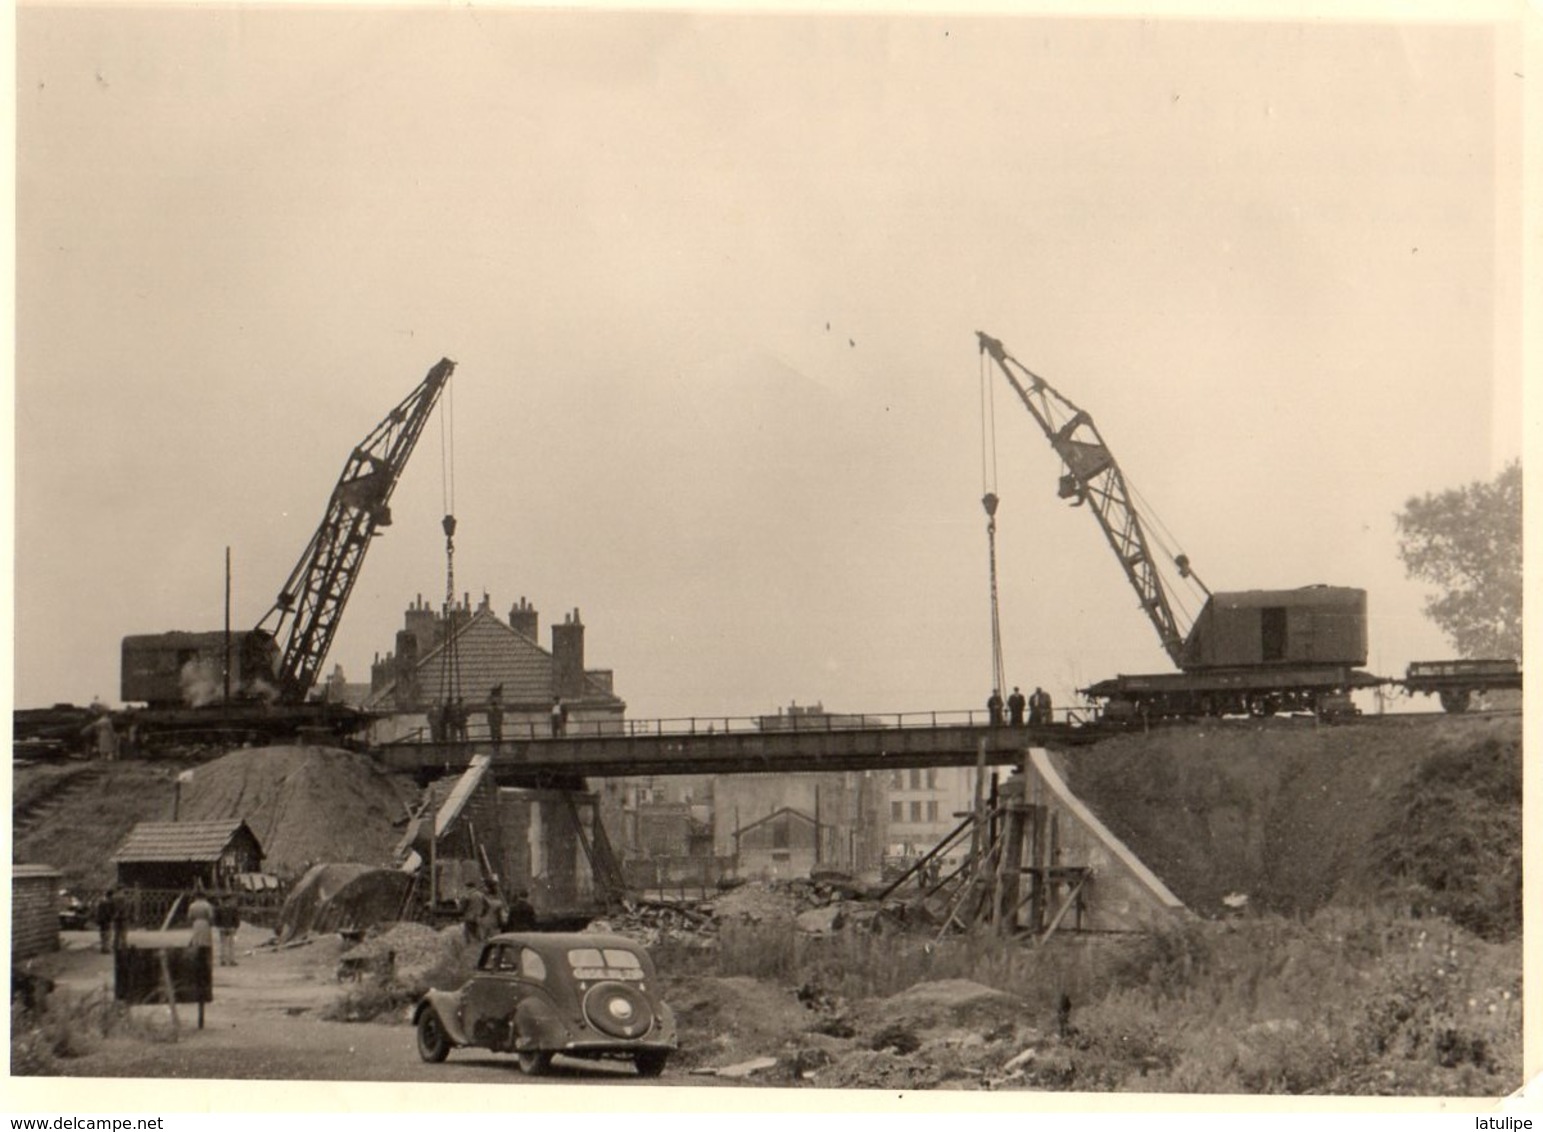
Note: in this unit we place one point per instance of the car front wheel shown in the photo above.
(433, 1044)
(650, 1064)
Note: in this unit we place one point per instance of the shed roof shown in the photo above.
(181, 840)
(33, 871)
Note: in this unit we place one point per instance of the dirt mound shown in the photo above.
(1295, 818)
(723, 1021)
(950, 1003)
(307, 805)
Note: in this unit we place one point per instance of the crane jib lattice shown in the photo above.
(305, 616)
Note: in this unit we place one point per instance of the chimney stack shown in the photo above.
(568, 657)
(523, 619)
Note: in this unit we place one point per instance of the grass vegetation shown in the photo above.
(1347, 1001)
(70, 1026)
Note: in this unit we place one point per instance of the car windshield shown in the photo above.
(605, 963)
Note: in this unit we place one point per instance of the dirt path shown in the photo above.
(264, 1023)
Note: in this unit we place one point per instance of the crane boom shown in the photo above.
(1093, 477)
(312, 600)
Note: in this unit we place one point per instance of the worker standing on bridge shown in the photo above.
(1015, 706)
(496, 714)
(559, 717)
(437, 722)
(994, 707)
(1039, 707)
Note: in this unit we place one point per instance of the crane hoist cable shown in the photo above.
(450, 660)
(989, 501)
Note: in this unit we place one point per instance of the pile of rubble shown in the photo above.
(950, 1033)
(406, 951)
(822, 905)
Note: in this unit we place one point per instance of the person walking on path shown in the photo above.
(104, 736)
(227, 918)
(201, 917)
(1015, 706)
(120, 920)
(105, 908)
(474, 910)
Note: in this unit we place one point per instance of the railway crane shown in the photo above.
(269, 671)
(1254, 651)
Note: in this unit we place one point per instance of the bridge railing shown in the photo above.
(523, 730)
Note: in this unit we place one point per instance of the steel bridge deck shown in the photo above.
(529, 761)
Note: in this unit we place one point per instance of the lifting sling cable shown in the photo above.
(989, 502)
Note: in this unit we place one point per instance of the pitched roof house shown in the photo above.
(483, 652)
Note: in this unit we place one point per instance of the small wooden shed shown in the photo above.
(187, 854)
(34, 910)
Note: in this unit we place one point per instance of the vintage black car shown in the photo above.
(74, 915)
(536, 994)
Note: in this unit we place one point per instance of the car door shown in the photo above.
(488, 1002)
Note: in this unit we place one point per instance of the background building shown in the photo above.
(470, 653)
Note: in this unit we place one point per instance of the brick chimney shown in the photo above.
(523, 619)
(568, 657)
(407, 669)
(420, 623)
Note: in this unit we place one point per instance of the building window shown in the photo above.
(897, 811)
(916, 779)
(932, 811)
(896, 779)
(932, 778)
(916, 811)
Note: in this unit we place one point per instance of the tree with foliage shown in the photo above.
(1467, 541)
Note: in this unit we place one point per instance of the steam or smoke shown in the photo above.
(201, 683)
(260, 688)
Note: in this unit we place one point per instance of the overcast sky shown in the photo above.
(1277, 263)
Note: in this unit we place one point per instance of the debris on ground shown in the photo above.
(743, 1069)
(413, 949)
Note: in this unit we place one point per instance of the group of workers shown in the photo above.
(1037, 703)
(483, 914)
(208, 917)
(448, 719)
(205, 917)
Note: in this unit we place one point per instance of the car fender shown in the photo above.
(537, 1025)
(443, 1003)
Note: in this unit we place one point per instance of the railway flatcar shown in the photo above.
(163, 670)
(1456, 682)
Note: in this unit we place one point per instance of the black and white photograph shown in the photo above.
(848, 554)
